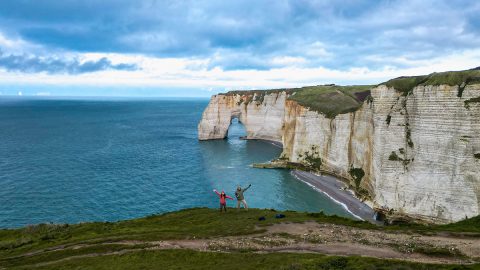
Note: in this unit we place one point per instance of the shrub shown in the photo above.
(472, 100)
(357, 174)
(389, 118)
(393, 156)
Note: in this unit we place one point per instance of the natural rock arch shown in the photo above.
(236, 117)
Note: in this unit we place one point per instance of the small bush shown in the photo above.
(389, 118)
(357, 174)
(393, 156)
(409, 138)
(312, 159)
(472, 100)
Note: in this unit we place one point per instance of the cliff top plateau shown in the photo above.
(331, 99)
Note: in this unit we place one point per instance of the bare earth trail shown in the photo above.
(308, 237)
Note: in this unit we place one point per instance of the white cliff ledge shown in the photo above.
(415, 149)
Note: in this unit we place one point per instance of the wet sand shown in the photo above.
(334, 189)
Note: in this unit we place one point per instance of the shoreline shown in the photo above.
(272, 142)
(333, 188)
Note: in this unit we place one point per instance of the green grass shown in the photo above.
(452, 78)
(332, 100)
(467, 225)
(405, 84)
(61, 254)
(260, 92)
(188, 259)
(329, 100)
(185, 224)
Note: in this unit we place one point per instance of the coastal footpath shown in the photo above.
(409, 146)
(204, 238)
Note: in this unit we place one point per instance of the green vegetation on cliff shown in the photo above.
(329, 100)
(189, 259)
(131, 244)
(184, 224)
(332, 100)
(452, 78)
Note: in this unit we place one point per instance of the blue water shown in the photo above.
(77, 160)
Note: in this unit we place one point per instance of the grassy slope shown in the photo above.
(329, 100)
(186, 224)
(468, 225)
(452, 78)
(332, 100)
(186, 259)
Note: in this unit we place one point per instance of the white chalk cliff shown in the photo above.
(420, 153)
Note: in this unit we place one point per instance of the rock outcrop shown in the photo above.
(262, 119)
(417, 153)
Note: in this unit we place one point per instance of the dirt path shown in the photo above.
(310, 237)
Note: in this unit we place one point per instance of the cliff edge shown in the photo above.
(410, 145)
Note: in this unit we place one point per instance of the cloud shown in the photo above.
(234, 44)
(333, 34)
(190, 73)
(56, 65)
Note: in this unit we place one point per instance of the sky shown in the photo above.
(198, 48)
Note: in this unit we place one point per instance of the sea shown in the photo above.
(71, 160)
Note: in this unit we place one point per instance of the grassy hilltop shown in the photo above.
(202, 238)
(332, 100)
(452, 78)
(329, 100)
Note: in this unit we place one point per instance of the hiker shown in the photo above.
(223, 201)
(240, 197)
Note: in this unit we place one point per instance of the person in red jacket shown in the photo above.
(223, 201)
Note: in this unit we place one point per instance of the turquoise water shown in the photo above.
(72, 160)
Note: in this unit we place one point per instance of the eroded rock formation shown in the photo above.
(417, 153)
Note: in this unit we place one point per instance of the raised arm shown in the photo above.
(245, 189)
(216, 192)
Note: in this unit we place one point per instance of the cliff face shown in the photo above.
(414, 153)
(263, 119)
(424, 150)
